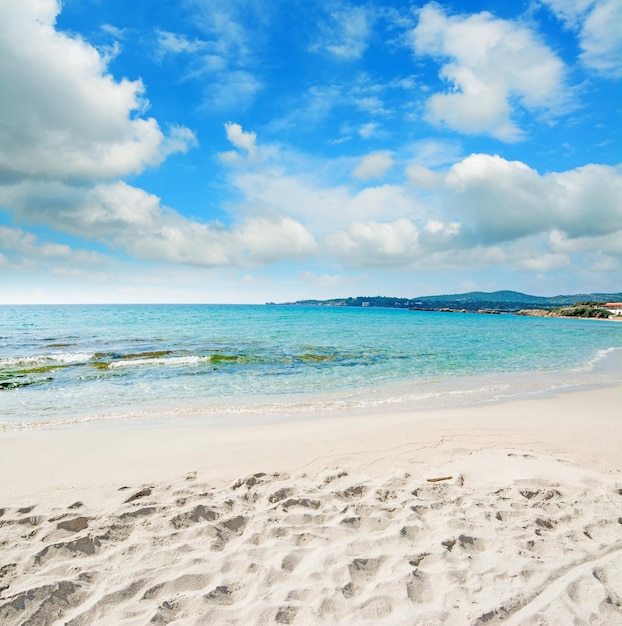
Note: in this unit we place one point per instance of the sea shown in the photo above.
(133, 365)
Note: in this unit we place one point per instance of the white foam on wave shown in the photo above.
(46, 359)
(600, 357)
(174, 361)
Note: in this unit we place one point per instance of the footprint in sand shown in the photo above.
(363, 570)
(199, 513)
(286, 614)
(419, 587)
(376, 608)
(291, 561)
(74, 525)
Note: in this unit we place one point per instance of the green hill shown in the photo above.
(502, 301)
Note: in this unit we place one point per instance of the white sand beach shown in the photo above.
(503, 513)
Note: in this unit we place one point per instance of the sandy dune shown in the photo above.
(434, 519)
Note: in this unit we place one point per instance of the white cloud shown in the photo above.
(272, 238)
(231, 90)
(501, 200)
(369, 130)
(544, 262)
(459, 215)
(570, 11)
(607, 244)
(601, 39)
(224, 22)
(114, 31)
(599, 27)
(422, 177)
(172, 43)
(432, 153)
(346, 34)
(360, 93)
(26, 251)
(246, 141)
(59, 99)
(372, 105)
(435, 227)
(494, 67)
(310, 202)
(321, 207)
(381, 202)
(122, 216)
(224, 58)
(374, 243)
(101, 211)
(374, 165)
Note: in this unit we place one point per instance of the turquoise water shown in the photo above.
(70, 364)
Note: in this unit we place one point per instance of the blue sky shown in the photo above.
(249, 151)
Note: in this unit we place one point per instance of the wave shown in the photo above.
(41, 359)
(174, 361)
(604, 357)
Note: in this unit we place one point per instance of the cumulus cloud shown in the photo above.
(321, 207)
(374, 165)
(481, 210)
(479, 203)
(122, 216)
(272, 238)
(375, 243)
(58, 98)
(502, 200)
(493, 67)
(91, 212)
(609, 244)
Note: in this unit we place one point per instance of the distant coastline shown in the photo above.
(496, 302)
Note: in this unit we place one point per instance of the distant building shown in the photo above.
(615, 308)
(364, 303)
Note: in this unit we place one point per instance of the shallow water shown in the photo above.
(70, 364)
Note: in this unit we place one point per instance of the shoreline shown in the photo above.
(505, 512)
(414, 396)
